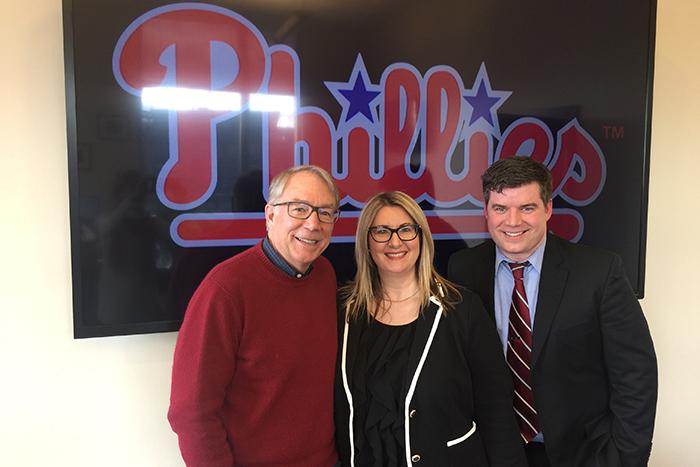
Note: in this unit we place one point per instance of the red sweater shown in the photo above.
(254, 366)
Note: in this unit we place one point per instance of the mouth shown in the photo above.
(397, 255)
(514, 234)
(307, 241)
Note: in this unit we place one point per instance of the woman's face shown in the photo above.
(396, 257)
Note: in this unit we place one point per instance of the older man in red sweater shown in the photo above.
(254, 362)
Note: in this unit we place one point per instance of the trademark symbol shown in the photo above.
(613, 132)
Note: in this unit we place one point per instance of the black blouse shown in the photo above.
(378, 384)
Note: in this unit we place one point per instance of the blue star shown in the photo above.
(482, 104)
(358, 96)
(484, 101)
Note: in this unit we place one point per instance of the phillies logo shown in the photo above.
(205, 64)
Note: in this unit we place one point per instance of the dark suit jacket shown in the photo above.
(456, 380)
(593, 362)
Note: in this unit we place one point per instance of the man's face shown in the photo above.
(300, 242)
(517, 220)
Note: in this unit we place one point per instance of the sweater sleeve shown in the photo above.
(203, 366)
(493, 389)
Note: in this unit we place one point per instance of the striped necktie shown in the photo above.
(519, 355)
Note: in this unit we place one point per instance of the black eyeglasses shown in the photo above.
(301, 211)
(382, 233)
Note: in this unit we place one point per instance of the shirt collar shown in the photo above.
(535, 259)
(280, 262)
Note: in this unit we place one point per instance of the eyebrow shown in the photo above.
(387, 227)
(297, 200)
(527, 205)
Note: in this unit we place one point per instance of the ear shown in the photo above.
(548, 209)
(269, 215)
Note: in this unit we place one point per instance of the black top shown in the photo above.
(379, 383)
(462, 404)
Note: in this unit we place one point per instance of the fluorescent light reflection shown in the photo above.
(272, 103)
(185, 99)
(285, 121)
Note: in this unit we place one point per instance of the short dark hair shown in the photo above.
(514, 172)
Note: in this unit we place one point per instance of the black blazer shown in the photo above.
(458, 403)
(594, 367)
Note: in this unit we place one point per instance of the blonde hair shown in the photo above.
(365, 292)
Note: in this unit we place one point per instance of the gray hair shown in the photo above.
(278, 184)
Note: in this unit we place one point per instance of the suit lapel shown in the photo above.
(482, 274)
(553, 279)
(488, 276)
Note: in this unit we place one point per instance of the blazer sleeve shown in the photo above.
(632, 370)
(492, 388)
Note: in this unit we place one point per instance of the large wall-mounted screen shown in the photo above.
(179, 115)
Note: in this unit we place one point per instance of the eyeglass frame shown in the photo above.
(316, 209)
(371, 230)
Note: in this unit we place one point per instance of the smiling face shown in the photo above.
(517, 220)
(300, 242)
(395, 257)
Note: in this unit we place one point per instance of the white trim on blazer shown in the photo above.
(409, 395)
(463, 437)
(348, 394)
(412, 388)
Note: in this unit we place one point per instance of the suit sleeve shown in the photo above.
(203, 366)
(493, 390)
(631, 364)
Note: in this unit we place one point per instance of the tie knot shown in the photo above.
(518, 269)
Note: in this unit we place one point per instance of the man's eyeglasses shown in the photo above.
(382, 233)
(301, 211)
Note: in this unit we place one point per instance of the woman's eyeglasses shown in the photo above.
(382, 233)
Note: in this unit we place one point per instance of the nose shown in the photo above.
(394, 240)
(313, 222)
(513, 217)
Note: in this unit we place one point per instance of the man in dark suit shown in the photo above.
(574, 336)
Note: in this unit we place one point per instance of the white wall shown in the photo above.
(102, 402)
(63, 402)
(672, 305)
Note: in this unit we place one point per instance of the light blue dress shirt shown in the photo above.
(503, 289)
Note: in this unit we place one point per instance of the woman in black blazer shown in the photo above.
(421, 375)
